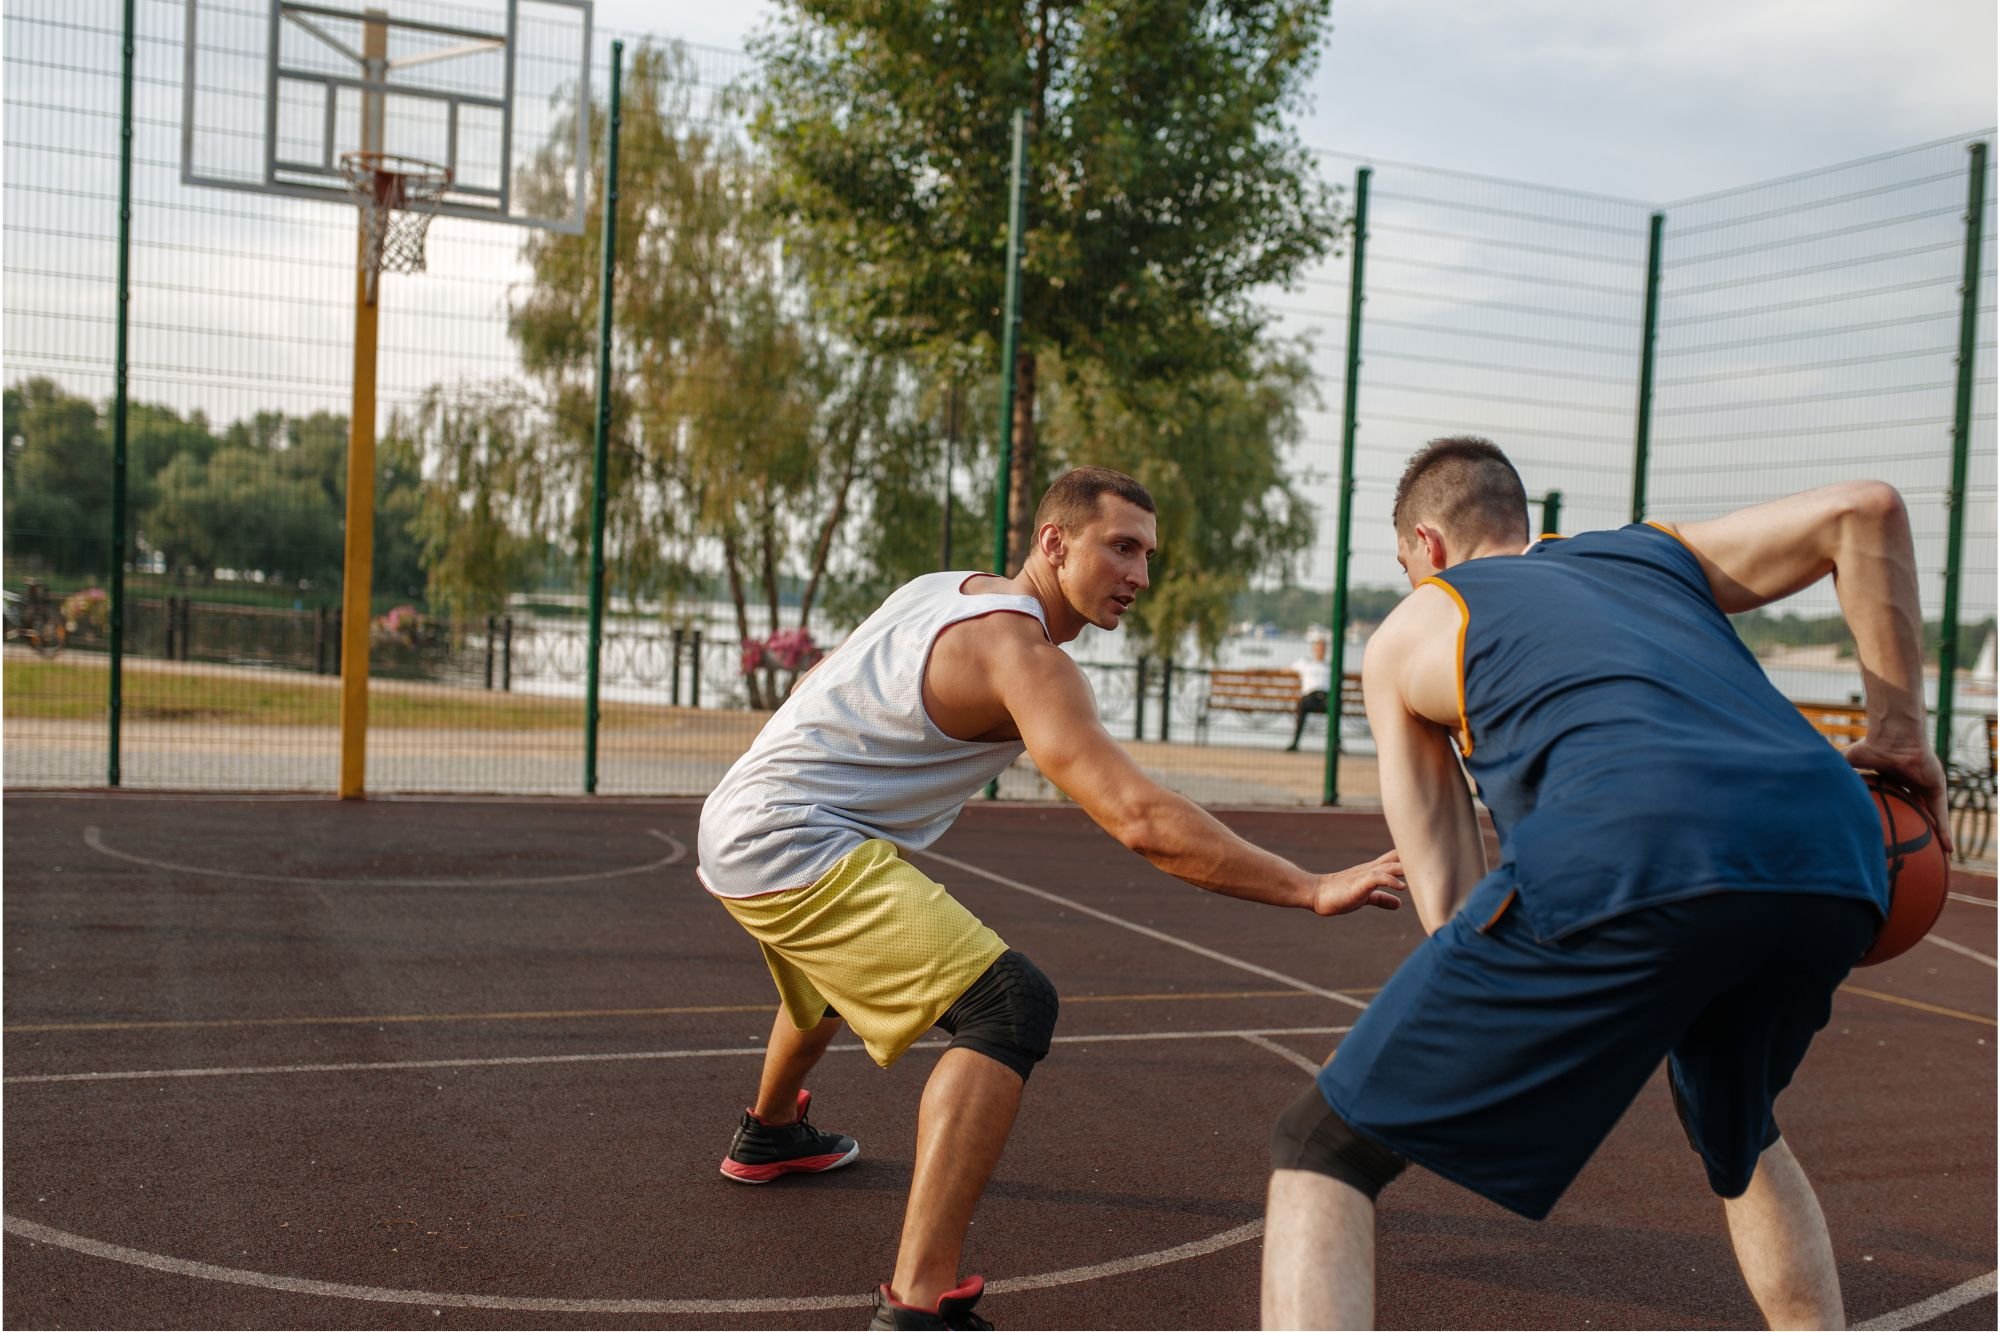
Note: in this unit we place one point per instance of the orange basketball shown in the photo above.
(1919, 874)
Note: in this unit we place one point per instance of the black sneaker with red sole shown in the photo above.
(954, 1309)
(762, 1152)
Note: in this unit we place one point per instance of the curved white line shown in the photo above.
(160, 1262)
(1941, 1303)
(93, 838)
(1067, 1276)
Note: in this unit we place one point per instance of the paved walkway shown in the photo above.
(684, 753)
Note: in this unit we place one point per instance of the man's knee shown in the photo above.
(1310, 1136)
(1008, 1014)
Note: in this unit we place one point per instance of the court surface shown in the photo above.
(281, 1063)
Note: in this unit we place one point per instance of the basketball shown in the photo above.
(1919, 873)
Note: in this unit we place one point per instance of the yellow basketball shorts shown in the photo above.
(875, 939)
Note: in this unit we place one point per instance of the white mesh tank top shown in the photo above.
(852, 754)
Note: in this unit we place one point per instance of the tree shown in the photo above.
(268, 498)
(1164, 186)
(487, 498)
(1213, 455)
(742, 426)
(58, 504)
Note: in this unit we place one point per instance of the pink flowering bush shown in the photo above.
(786, 650)
(397, 630)
(400, 621)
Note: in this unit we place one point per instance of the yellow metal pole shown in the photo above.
(358, 569)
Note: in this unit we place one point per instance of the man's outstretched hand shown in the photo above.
(1373, 884)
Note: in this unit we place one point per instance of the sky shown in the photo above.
(1645, 101)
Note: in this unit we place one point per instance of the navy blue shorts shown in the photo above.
(1501, 1061)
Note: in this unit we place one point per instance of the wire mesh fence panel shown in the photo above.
(1505, 310)
(1810, 334)
(772, 476)
(1492, 308)
(242, 371)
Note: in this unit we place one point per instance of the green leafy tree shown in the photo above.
(487, 496)
(58, 478)
(1164, 185)
(1213, 455)
(742, 428)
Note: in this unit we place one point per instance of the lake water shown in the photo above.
(1111, 665)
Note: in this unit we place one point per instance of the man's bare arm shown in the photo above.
(1051, 703)
(1859, 532)
(1424, 793)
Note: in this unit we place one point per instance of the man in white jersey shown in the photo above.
(874, 753)
(1315, 682)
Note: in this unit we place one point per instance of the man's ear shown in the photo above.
(1049, 540)
(1432, 541)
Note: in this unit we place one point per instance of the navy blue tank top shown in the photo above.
(1630, 748)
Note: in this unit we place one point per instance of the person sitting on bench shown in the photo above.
(1315, 678)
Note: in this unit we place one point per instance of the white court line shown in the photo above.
(1067, 1276)
(1266, 1043)
(723, 1052)
(1939, 1304)
(1961, 949)
(1149, 932)
(1971, 900)
(93, 837)
(158, 1262)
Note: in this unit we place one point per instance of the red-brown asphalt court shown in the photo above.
(291, 1063)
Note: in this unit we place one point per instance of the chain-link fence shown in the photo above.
(1811, 333)
(1806, 332)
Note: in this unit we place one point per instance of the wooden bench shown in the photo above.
(1842, 723)
(1272, 690)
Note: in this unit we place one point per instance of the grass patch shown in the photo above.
(62, 691)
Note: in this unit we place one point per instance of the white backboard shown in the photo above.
(276, 91)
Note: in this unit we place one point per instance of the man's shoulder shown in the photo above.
(1002, 630)
(1433, 610)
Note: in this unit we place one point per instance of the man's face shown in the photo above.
(1104, 565)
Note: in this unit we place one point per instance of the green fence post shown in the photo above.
(1961, 439)
(1552, 513)
(1017, 197)
(116, 703)
(606, 273)
(1009, 335)
(1337, 649)
(1643, 449)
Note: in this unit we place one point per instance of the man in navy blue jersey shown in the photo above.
(1688, 870)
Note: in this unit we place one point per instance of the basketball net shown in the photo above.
(398, 197)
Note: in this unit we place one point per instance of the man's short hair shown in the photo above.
(1072, 502)
(1464, 485)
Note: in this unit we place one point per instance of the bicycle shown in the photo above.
(34, 619)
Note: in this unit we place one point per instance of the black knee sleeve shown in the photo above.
(1309, 1136)
(1008, 1014)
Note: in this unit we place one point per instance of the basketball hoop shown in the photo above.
(398, 197)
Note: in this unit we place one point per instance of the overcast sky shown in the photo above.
(1647, 101)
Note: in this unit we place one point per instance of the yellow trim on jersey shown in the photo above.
(1669, 531)
(1464, 622)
